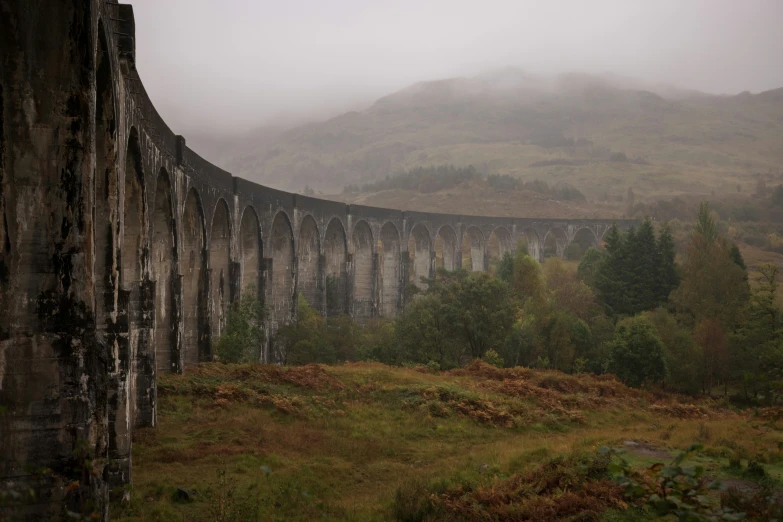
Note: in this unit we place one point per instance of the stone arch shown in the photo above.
(583, 239)
(133, 357)
(363, 270)
(554, 243)
(220, 267)
(498, 245)
(473, 249)
(389, 273)
(336, 269)
(446, 246)
(282, 291)
(530, 241)
(308, 262)
(106, 188)
(193, 254)
(162, 265)
(419, 255)
(251, 252)
(133, 225)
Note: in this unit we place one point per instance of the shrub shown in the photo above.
(244, 335)
(637, 352)
(492, 357)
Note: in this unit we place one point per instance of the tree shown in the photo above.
(668, 275)
(705, 224)
(757, 345)
(423, 334)
(683, 356)
(642, 266)
(244, 335)
(637, 352)
(638, 272)
(527, 280)
(566, 292)
(713, 285)
(306, 339)
(590, 265)
(478, 310)
(505, 268)
(711, 338)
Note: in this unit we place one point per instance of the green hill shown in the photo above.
(598, 133)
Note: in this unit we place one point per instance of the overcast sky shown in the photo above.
(236, 64)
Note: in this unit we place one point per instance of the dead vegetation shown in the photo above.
(568, 395)
(478, 443)
(571, 488)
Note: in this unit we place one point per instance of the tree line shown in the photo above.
(434, 178)
(694, 324)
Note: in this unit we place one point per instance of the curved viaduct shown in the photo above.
(121, 249)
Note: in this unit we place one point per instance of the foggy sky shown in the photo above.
(230, 65)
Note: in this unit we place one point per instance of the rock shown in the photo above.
(483, 467)
(630, 443)
(184, 495)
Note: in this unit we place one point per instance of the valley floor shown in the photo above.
(247, 442)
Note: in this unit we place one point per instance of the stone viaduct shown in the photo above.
(121, 250)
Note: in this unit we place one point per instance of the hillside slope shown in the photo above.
(598, 133)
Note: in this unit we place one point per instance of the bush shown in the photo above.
(492, 357)
(244, 335)
(637, 352)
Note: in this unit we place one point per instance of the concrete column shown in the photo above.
(208, 303)
(177, 353)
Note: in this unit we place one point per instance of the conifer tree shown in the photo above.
(668, 275)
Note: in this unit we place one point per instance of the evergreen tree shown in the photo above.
(705, 224)
(668, 275)
(590, 265)
(757, 345)
(641, 266)
(611, 279)
(736, 256)
(638, 272)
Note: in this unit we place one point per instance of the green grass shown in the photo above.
(336, 443)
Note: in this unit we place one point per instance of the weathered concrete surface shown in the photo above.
(121, 251)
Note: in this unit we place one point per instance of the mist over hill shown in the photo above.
(600, 133)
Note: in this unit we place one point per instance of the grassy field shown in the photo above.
(363, 441)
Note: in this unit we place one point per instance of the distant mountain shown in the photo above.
(601, 133)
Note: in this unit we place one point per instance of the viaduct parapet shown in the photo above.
(121, 250)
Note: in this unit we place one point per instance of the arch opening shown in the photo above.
(583, 239)
(531, 243)
(446, 248)
(309, 283)
(133, 358)
(473, 250)
(220, 266)
(162, 265)
(555, 243)
(282, 239)
(389, 273)
(251, 253)
(193, 276)
(336, 254)
(498, 245)
(419, 255)
(363, 268)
